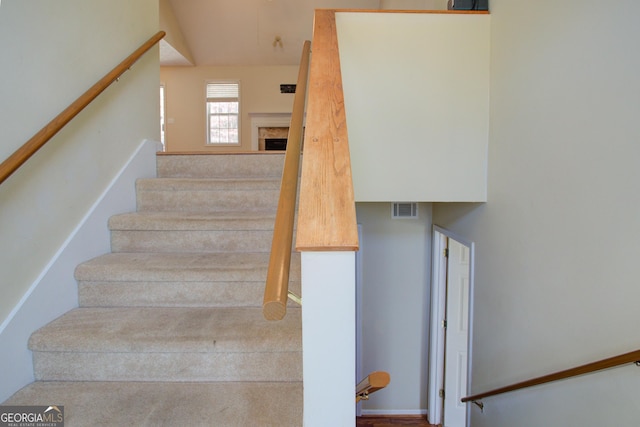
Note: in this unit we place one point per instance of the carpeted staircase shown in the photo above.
(170, 329)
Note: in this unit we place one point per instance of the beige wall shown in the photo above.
(416, 89)
(557, 243)
(174, 37)
(396, 268)
(52, 51)
(185, 98)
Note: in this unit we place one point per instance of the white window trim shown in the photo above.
(206, 116)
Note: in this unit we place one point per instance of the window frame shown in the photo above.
(207, 100)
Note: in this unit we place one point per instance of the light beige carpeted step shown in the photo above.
(224, 165)
(175, 294)
(168, 344)
(179, 267)
(177, 280)
(192, 232)
(207, 195)
(169, 404)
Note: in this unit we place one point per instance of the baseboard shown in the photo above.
(55, 291)
(394, 412)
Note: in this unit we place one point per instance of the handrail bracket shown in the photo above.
(295, 298)
(479, 404)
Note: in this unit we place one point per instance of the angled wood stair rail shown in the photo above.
(276, 291)
(29, 148)
(372, 383)
(327, 213)
(611, 362)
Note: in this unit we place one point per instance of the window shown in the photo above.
(223, 106)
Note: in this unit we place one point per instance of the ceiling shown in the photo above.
(246, 32)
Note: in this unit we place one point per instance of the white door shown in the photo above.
(456, 336)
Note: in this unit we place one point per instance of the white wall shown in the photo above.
(416, 90)
(173, 43)
(557, 242)
(396, 259)
(185, 98)
(52, 52)
(55, 291)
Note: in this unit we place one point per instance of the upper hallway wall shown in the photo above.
(53, 51)
(416, 89)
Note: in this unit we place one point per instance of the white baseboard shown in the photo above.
(55, 291)
(396, 412)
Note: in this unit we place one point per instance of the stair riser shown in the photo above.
(208, 201)
(175, 294)
(227, 275)
(220, 166)
(191, 241)
(197, 367)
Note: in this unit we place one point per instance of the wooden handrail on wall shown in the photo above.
(631, 357)
(276, 291)
(372, 383)
(22, 154)
(327, 211)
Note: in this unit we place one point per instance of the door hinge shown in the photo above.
(444, 323)
(445, 252)
(441, 393)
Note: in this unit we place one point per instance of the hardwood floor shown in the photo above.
(389, 421)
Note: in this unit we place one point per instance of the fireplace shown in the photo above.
(272, 138)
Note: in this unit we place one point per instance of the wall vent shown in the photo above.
(404, 210)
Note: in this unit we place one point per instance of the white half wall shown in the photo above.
(55, 291)
(416, 92)
(328, 338)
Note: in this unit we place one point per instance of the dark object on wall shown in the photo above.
(471, 5)
(271, 144)
(287, 88)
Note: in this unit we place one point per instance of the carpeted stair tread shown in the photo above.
(208, 184)
(175, 294)
(148, 404)
(185, 267)
(205, 195)
(196, 221)
(168, 330)
(225, 165)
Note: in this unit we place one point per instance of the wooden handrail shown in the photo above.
(29, 148)
(631, 357)
(276, 291)
(372, 383)
(327, 211)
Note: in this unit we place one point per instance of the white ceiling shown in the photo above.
(243, 32)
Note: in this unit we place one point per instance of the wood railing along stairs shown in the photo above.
(611, 362)
(37, 141)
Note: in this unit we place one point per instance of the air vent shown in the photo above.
(404, 210)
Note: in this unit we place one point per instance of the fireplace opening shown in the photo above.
(273, 144)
